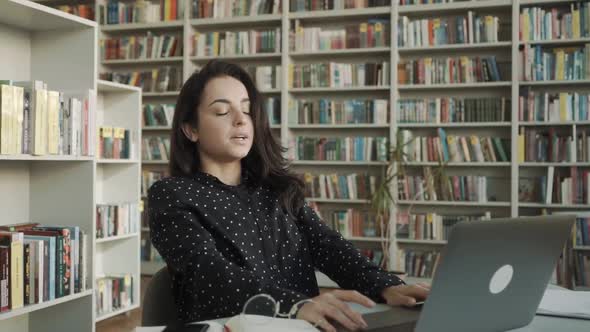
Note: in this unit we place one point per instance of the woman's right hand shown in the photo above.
(331, 306)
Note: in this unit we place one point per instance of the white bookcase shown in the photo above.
(59, 49)
(506, 50)
(118, 181)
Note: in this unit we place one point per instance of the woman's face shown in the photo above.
(225, 132)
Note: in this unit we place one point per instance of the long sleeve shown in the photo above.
(211, 285)
(341, 261)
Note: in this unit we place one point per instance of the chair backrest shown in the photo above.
(159, 307)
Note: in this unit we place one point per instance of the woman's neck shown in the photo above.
(228, 173)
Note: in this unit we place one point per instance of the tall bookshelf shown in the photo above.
(59, 49)
(118, 183)
(504, 176)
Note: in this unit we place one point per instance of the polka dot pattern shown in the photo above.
(223, 244)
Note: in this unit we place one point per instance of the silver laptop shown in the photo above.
(491, 277)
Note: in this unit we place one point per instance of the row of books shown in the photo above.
(116, 143)
(582, 269)
(306, 5)
(417, 263)
(83, 10)
(374, 33)
(38, 121)
(40, 263)
(340, 148)
(353, 223)
(149, 252)
(582, 235)
(148, 178)
(422, 2)
(116, 219)
(469, 188)
(162, 79)
(545, 145)
(265, 77)
(376, 257)
(453, 110)
(558, 186)
(560, 64)
(141, 11)
(451, 30)
(429, 226)
(537, 106)
(272, 105)
(140, 47)
(542, 23)
(157, 115)
(226, 43)
(449, 70)
(338, 75)
(339, 186)
(583, 145)
(328, 111)
(451, 148)
(233, 8)
(113, 292)
(155, 148)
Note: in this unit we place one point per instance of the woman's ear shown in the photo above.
(190, 132)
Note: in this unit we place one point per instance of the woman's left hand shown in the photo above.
(406, 295)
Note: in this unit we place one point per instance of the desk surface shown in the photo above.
(539, 323)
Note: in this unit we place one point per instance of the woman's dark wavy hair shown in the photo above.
(264, 163)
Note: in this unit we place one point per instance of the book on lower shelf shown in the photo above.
(83, 10)
(339, 186)
(571, 21)
(339, 75)
(162, 79)
(542, 106)
(538, 63)
(114, 292)
(148, 178)
(546, 145)
(148, 252)
(354, 223)
(116, 143)
(230, 43)
(155, 148)
(116, 219)
(40, 263)
(339, 148)
(303, 5)
(160, 115)
(417, 263)
(141, 47)
(430, 226)
(559, 185)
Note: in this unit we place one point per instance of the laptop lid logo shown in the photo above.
(501, 279)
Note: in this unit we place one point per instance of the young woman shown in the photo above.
(231, 221)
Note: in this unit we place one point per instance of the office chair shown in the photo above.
(159, 307)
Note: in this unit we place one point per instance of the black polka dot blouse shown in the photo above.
(224, 244)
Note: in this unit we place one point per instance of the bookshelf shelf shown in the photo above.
(275, 126)
(117, 238)
(551, 124)
(117, 312)
(428, 242)
(454, 125)
(552, 206)
(556, 42)
(151, 267)
(156, 128)
(258, 20)
(339, 14)
(338, 126)
(483, 85)
(237, 57)
(117, 161)
(171, 25)
(454, 7)
(349, 89)
(478, 46)
(545, 2)
(366, 239)
(350, 51)
(29, 16)
(459, 164)
(554, 83)
(26, 157)
(338, 163)
(564, 164)
(145, 229)
(582, 248)
(170, 60)
(35, 307)
(161, 94)
(337, 201)
(154, 162)
(441, 203)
